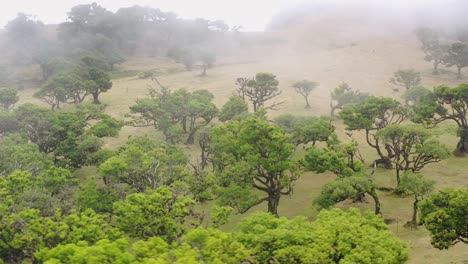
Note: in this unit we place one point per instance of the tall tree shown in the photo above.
(446, 103)
(254, 153)
(98, 79)
(304, 88)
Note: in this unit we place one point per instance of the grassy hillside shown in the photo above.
(366, 64)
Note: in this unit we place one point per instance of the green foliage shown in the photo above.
(262, 88)
(232, 109)
(339, 159)
(24, 233)
(144, 165)
(304, 88)
(154, 213)
(344, 95)
(255, 153)
(415, 94)
(433, 50)
(336, 236)
(444, 215)
(99, 199)
(175, 113)
(371, 115)
(446, 103)
(416, 185)
(456, 55)
(344, 188)
(406, 78)
(220, 215)
(304, 130)
(8, 97)
(17, 154)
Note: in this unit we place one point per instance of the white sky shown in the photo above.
(251, 14)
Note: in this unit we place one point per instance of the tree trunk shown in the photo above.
(191, 137)
(374, 196)
(414, 220)
(273, 202)
(397, 169)
(435, 71)
(307, 102)
(96, 98)
(462, 145)
(459, 76)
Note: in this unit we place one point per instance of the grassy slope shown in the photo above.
(366, 65)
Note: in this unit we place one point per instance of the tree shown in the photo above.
(98, 79)
(25, 233)
(242, 86)
(335, 237)
(17, 154)
(200, 112)
(444, 215)
(175, 113)
(433, 50)
(304, 130)
(446, 103)
(8, 97)
(344, 95)
(341, 160)
(412, 148)
(154, 213)
(406, 78)
(415, 94)
(456, 55)
(208, 59)
(344, 188)
(144, 165)
(262, 88)
(63, 88)
(417, 186)
(304, 88)
(371, 115)
(233, 108)
(254, 153)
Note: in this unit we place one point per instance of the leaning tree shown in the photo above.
(262, 88)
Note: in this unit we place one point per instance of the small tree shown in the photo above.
(304, 88)
(207, 59)
(8, 97)
(344, 95)
(457, 55)
(406, 78)
(412, 149)
(345, 188)
(415, 94)
(434, 51)
(416, 185)
(444, 215)
(261, 89)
